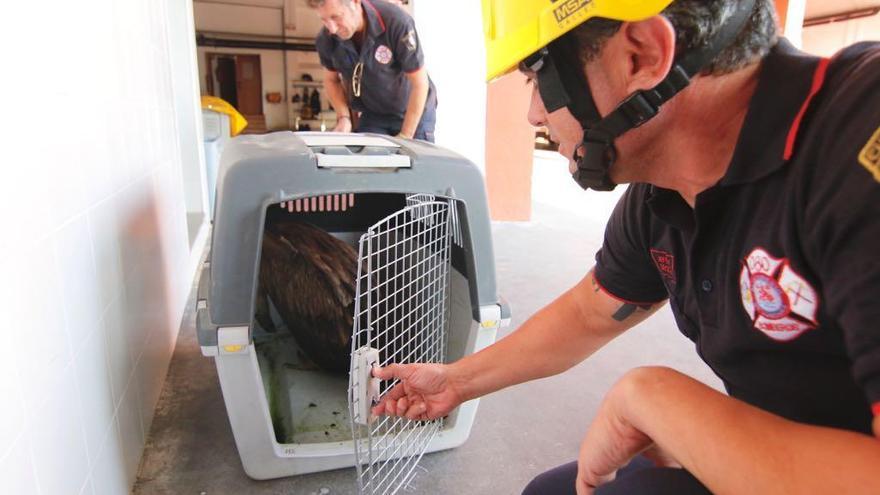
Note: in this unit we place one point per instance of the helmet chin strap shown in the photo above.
(561, 83)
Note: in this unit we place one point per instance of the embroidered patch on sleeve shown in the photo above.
(869, 157)
(410, 40)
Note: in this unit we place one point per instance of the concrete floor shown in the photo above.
(518, 432)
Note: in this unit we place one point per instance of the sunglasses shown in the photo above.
(534, 62)
(356, 79)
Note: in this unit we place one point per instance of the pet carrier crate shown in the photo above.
(216, 135)
(414, 219)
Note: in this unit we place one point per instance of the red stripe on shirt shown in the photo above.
(378, 15)
(818, 80)
(876, 409)
(603, 289)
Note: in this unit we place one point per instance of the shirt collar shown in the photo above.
(784, 83)
(669, 206)
(784, 86)
(374, 20)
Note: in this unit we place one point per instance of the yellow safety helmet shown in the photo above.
(515, 29)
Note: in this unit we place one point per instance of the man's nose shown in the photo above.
(536, 116)
(331, 27)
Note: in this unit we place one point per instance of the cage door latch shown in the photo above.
(364, 360)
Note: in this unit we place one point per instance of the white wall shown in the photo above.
(185, 88)
(826, 39)
(241, 19)
(93, 250)
(451, 33)
(794, 21)
(257, 17)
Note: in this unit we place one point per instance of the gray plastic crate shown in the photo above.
(378, 176)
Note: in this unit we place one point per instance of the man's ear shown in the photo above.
(649, 48)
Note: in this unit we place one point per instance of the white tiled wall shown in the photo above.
(94, 260)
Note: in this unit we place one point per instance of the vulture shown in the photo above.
(309, 276)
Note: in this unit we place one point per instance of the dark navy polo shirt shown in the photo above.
(390, 49)
(775, 273)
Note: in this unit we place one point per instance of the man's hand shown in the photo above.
(425, 391)
(343, 124)
(612, 441)
(728, 445)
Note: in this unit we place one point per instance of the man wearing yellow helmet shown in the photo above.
(753, 210)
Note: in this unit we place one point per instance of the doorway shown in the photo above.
(226, 79)
(237, 78)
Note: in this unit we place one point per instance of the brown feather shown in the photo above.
(310, 277)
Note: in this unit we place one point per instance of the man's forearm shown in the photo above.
(733, 447)
(559, 336)
(415, 106)
(336, 94)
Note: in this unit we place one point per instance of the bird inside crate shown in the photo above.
(309, 277)
(305, 300)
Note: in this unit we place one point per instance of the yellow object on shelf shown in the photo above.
(237, 122)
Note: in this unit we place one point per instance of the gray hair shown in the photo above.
(695, 23)
(314, 4)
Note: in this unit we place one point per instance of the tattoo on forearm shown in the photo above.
(627, 309)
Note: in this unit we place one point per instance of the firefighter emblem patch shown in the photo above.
(778, 300)
(665, 263)
(869, 157)
(383, 54)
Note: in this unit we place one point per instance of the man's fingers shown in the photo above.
(399, 371)
(395, 393)
(588, 482)
(387, 402)
(397, 402)
(416, 411)
(583, 487)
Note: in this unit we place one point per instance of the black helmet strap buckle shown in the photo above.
(593, 157)
(562, 84)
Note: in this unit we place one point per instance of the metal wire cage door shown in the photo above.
(401, 316)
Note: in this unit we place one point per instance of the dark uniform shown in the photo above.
(390, 49)
(775, 273)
